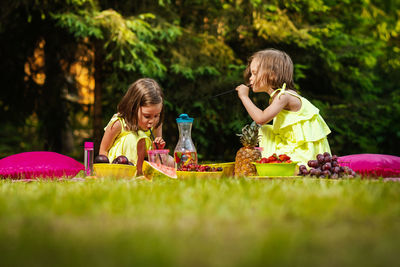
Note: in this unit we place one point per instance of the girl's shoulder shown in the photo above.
(283, 94)
(291, 94)
(289, 98)
(116, 123)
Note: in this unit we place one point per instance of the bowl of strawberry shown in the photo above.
(276, 165)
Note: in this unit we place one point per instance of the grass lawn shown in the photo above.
(200, 222)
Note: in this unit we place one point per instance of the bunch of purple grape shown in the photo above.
(326, 166)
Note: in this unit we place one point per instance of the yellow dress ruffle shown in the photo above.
(126, 142)
(301, 134)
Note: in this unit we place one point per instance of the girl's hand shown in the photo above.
(243, 91)
(159, 143)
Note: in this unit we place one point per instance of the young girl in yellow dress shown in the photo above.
(298, 129)
(128, 133)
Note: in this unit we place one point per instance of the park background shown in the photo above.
(66, 64)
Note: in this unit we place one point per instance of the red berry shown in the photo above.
(284, 157)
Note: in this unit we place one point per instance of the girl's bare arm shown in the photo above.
(108, 138)
(266, 115)
(141, 152)
(158, 137)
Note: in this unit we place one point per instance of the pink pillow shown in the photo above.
(377, 165)
(39, 164)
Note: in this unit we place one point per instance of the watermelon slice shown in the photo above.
(156, 170)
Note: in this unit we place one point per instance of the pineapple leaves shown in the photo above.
(249, 136)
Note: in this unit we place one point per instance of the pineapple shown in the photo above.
(248, 153)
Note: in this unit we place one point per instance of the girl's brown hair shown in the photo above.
(143, 92)
(274, 69)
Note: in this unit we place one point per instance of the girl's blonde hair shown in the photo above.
(143, 92)
(274, 69)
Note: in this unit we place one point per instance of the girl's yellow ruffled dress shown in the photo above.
(126, 142)
(301, 134)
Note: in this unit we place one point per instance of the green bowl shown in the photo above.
(276, 169)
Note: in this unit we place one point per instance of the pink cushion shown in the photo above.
(377, 165)
(39, 164)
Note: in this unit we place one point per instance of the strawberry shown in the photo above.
(284, 157)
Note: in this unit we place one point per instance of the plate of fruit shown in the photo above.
(199, 171)
(276, 166)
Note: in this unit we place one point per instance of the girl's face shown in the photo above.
(254, 73)
(149, 116)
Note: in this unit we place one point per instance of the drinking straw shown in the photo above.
(227, 92)
(152, 136)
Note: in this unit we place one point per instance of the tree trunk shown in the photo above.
(52, 114)
(97, 106)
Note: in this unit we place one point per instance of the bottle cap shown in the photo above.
(184, 118)
(88, 144)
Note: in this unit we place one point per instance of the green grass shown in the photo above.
(226, 222)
